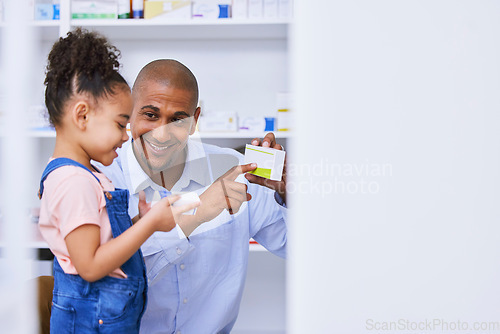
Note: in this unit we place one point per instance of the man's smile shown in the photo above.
(159, 147)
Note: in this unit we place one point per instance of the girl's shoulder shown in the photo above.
(70, 172)
(76, 175)
(71, 178)
(70, 185)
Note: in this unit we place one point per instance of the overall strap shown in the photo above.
(59, 162)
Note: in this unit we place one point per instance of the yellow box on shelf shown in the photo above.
(167, 9)
(269, 161)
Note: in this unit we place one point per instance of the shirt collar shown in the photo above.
(196, 166)
(195, 169)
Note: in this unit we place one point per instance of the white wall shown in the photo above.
(233, 75)
(409, 91)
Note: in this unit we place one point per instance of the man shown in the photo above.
(197, 271)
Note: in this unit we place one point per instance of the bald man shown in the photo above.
(196, 272)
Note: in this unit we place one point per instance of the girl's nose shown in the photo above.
(125, 136)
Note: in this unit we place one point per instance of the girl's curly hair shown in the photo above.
(81, 62)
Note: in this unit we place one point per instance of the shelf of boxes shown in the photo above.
(203, 135)
(274, 27)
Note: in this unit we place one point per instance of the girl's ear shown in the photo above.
(80, 114)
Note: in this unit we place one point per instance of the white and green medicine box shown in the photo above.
(94, 9)
(269, 161)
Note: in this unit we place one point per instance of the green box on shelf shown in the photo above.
(83, 9)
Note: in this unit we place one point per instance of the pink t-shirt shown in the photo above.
(72, 198)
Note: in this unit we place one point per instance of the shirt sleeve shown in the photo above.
(77, 199)
(267, 220)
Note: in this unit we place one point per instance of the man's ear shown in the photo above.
(196, 116)
(80, 113)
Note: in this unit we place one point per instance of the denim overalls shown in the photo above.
(109, 305)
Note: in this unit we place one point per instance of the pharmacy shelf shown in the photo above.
(46, 23)
(173, 29)
(180, 29)
(35, 239)
(202, 135)
(46, 29)
(39, 243)
(177, 22)
(241, 134)
(38, 24)
(190, 29)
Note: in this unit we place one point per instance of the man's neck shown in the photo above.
(169, 177)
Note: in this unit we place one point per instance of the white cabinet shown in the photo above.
(240, 66)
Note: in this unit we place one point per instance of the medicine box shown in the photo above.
(218, 122)
(167, 9)
(186, 198)
(257, 124)
(255, 9)
(210, 9)
(252, 123)
(124, 9)
(239, 9)
(270, 8)
(47, 11)
(103, 9)
(284, 8)
(269, 161)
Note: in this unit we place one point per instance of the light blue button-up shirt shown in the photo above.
(196, 284)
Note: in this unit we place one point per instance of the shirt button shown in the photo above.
(179, 251)
(185, 301)
(178, 332)
(182, 266)
(101, 322)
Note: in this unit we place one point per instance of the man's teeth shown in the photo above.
(158, 148)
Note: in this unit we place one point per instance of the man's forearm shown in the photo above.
(188, 223)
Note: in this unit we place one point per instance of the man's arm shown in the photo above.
(268, 223)
(224, 194)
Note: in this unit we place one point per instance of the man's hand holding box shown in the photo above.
(269, 161)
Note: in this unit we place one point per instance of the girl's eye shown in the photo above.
(122, 126)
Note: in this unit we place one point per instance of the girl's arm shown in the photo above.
(94, 261)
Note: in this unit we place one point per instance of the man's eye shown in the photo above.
(150, 115)
(179, 121)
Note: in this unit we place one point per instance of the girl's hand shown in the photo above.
(164, 216)
(144, 206)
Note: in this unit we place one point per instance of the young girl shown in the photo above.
(99, 274)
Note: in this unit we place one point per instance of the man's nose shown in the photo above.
(162, 133)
